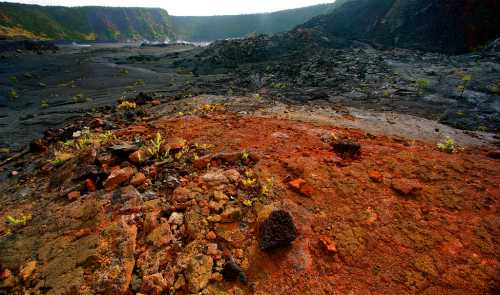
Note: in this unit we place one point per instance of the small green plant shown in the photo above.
(44, 104)
(13, 79)
(448, 146)
(123, 72)
(465, 82)
(155, 144)
(266, 189)
(245, 155)
(182, 152)
(482, 128)
(106, 136)
(279, 86)
(60, 158)
(139, 83)
(18, 221)
(249, 180)
(80, 97)
(422, 85)
(13, 94)
(127, 105)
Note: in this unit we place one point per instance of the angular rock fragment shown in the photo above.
(123, 150)
(160, 236)
(117, 177)
(198, 272)
(277, 231)
(406, 187)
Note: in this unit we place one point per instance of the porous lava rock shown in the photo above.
(347, 148)
(232, 272)
(277, 231)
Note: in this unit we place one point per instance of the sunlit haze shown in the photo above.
(190, 7)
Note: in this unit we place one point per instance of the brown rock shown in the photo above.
(212, 249)
(376, 176)
(160, 236)
(180, 282)
(150, 221)
(7, 279)
(181, 194)
(301, 186)
(232, 157)
(220, 196)
(196, 225)
(173, 145)
(118, 177)
(214, 178)
(297, 183)
(231, 233)
(231, 214)
(73, 196)
(202, 162)
(199, 272)
(406, 187)
(90, 185)
(139, 156)
(328, 244)
(130, 200)
(216, 206)
(211, 236)
(120, 241)
(233, 175)
(27, 270)
(154, 284)
(138, 179)
(155, 102)
(239, 253)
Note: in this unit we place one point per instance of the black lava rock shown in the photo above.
(232, 271)
(143, 98)
(277, 231)
(347, 149)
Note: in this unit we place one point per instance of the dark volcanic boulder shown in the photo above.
(277, 231)
(347, 149)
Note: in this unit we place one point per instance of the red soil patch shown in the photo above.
(443, 240)
(400, 218)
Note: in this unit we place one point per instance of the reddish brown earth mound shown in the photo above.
(401, 217)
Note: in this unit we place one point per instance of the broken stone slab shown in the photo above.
(199, 272)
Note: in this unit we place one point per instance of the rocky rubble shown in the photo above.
(214, 202)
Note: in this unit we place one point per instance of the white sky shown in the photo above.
(190, 7)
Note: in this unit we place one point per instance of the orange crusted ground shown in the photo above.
(442, 240)
(400, 218)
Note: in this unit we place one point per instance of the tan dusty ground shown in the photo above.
(401, 218)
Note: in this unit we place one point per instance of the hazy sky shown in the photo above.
(190, 7)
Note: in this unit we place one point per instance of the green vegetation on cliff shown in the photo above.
(84, 23)
(118, 24)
